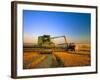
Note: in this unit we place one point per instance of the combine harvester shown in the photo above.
(46, 45)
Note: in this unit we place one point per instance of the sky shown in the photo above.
(75, 26)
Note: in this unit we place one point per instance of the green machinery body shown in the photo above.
(45, 41)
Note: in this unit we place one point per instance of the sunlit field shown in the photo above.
(80, 57)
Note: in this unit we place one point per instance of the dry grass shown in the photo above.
(70, 60)
(31, 59)
(83, 47)
(28, 55)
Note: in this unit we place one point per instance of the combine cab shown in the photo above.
(45, 43)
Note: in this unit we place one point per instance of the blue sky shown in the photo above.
(74, 25)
